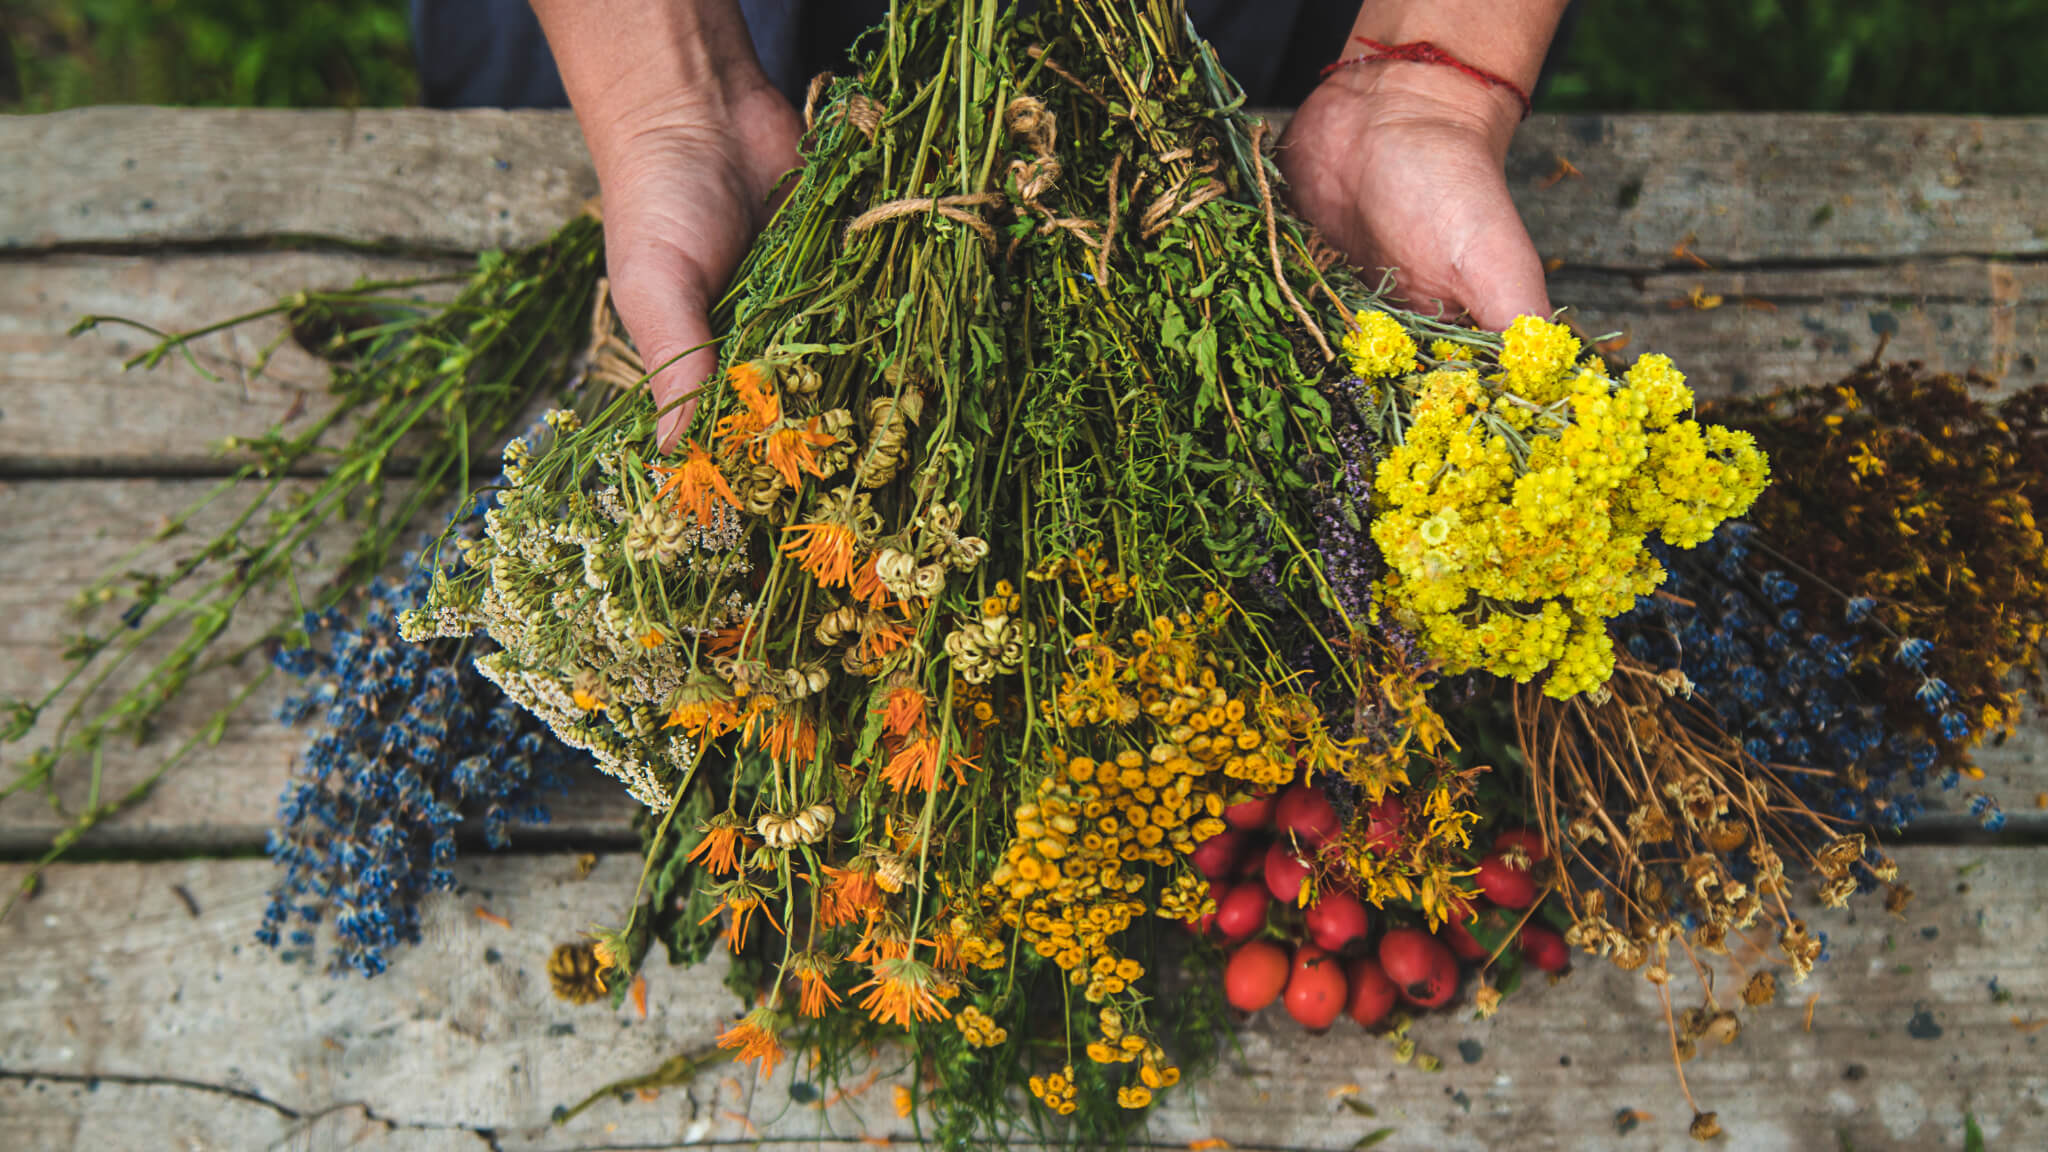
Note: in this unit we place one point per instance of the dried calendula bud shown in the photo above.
(837, 625)
(1761, 989)
(1841, 854)
(1835, 893)
(1704, 1126)
(573, 973)
(1721, 1027)
(1486, 1001)
(1896, 897)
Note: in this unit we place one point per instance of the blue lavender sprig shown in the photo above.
(1783, 684)
(415, 740)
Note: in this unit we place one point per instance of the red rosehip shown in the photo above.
(1545, 949)
(1458, 935)
(1372, 994)
(1250, 815)
(1241, 911)
(1306, 812)
(1316, 988)
(1527, 839)
(1336, 919)
(1505, 884)
(1384, 822)
(1217, 856)
(1285, 872)
(1420, 966)
(1255, 975)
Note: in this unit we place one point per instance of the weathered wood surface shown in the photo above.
(67, 405)
(110, 974)
(56, 537)
(1827, 233)
(439, 181)
(1750, 189)
(127, 1021)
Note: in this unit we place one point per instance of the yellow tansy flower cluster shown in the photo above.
(1378, 346)
(1118, 1046)
(1513, 515)
(1056, 1091)
(979, 1028)
(1063, 882)
(1187, 899)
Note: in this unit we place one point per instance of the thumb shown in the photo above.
(661, 298)
(1500, 276)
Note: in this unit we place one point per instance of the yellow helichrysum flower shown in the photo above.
(1513, 532)
(1535, 357)
(1450, 350)
(1378, 346)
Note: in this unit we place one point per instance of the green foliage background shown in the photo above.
(1975, 56)
(275, 53)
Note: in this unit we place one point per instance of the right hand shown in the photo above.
(686, 186)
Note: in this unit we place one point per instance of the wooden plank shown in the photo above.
(67, 408)
(1762, 329)
(1779, 188)
(446, 181)
(55, 537)
(109, 974)
(1751, 188)
(67, 405)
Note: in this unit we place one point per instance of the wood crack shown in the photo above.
(300, 1119)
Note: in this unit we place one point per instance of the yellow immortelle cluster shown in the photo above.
(1514, 513)
(1377, 346)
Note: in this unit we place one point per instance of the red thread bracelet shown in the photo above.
(1424, 52)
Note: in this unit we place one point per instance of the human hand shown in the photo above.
(689, 139)
(1402, 167)
(686, 187)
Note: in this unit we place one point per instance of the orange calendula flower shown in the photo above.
(812, 970)
(705, 719)
(725, 641)
(696, 485)
(754, 1036)
(587, 701)
(903, 711)
(652, 638)
(759, 406)
(719, 850)
(791, 449)
(743, 906)
(849, 894)
(867, 583)
(918, 764)
(824, 550)
(903, 990)
(791, 736)
(879, 637)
